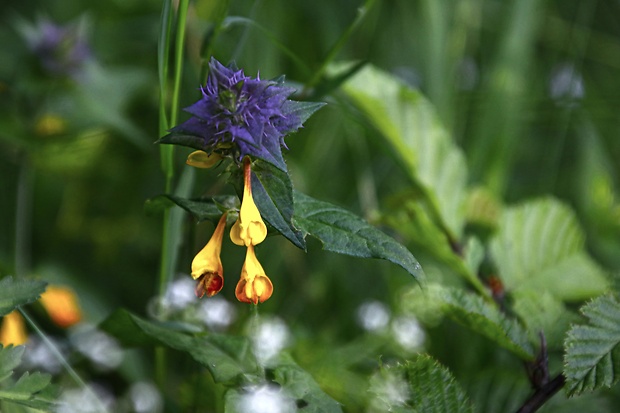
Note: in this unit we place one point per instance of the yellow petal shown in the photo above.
(13, 330)
(201, 159)
(207, 265)
(62, 306)
(249, 228)
(254, 286)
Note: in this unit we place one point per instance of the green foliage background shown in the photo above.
(510, 154)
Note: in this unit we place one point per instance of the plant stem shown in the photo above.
(543, 394)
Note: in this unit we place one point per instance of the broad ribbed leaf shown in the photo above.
(474, 312)
(432, 388)
(540, 247)
(409, 124)
(18, 291)
(592, 357)
(226, 357)
(343, 232)
(30, 389)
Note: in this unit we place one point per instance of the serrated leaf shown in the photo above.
(540, 247)
(226, 357)
(409, 124)
(474, 312)
(432, 387)
(343, 232)
(592, 357)
(18, 291)
(29, 389)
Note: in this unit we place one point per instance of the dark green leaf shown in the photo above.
(474, 312)
(201, 209)
(18, 291)
(226, 357)
(592, 358)
(301, 109)
(343, 232)
(273, 193)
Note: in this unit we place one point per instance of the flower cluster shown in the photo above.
(240, 116)
(248, 230)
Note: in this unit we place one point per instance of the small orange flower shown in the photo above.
(62, 306)
(254, 286)
(13, 330)
(249, 229)
(207, 266)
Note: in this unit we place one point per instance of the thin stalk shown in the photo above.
(335, 49)
(54, 350)
(23, 214)
(167, 151)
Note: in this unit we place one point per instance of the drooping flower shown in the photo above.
(12, 329)
(240, 116)
(62, 306)
(249, 229)
(207, 265)
(254, 286)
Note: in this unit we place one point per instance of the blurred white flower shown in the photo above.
(269, 337)
(266, 399)
(408, 333)
(100, 348)
(566, 84)
(145, 398)
(373, 316)
(216, 313)
(89, 399)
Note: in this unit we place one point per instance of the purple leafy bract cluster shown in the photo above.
(239, 115)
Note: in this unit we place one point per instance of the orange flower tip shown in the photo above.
(203, 160)
(61, 304)
(209, 284)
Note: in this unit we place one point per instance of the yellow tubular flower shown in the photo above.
(249, 229)
(207, 265)
(62, 306)
(12, 330)
(254, 286)
(201, 159)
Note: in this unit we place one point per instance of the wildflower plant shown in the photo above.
(243, 121)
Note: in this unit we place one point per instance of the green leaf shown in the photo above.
(300, 385)
(592, 357)
(18, 291)
(411, 220)
(409, 124)
(201, 209)
(296, 388)
(474, 312)
(343, 232)
(540, 247)
(431, 388)
(272, 191)
(226, 357)
(30, 390)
